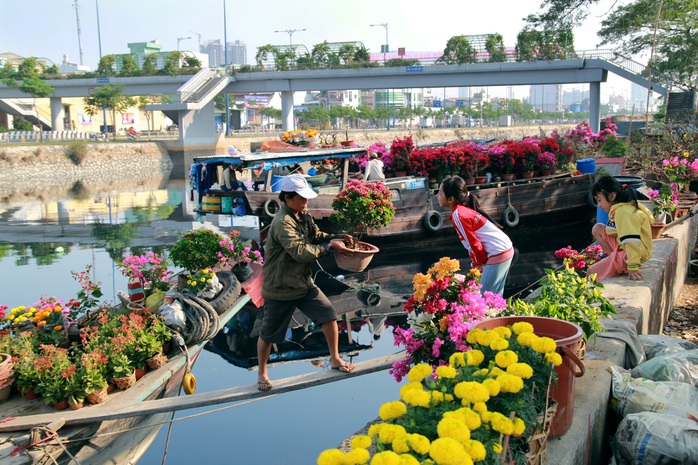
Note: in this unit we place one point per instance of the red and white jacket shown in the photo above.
(485, 242)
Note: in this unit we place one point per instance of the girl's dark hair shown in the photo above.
(455, 186)
(608, 184)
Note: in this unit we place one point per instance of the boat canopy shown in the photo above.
(269, 160)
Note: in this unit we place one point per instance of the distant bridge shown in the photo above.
(192, 102)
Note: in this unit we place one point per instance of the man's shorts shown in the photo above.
(277, 314)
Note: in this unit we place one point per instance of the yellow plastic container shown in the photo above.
(211, 204)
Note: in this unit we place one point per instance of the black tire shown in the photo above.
(591, 201)
(433, 221)
(231, 291)
(271, 207)
(510, 217)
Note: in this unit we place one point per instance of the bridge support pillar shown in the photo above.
(197, 127)
(594, 106)
(287, 110)
(57, 114)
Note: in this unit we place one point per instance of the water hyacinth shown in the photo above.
(481, 406)
(440, 313)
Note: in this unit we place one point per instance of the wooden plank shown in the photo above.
(103, 412)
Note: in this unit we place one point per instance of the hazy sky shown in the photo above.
(48, 28)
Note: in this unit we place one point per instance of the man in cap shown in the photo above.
(294, 242)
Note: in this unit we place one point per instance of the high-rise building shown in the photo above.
(214, 50)
(237, 53)
(547, 97)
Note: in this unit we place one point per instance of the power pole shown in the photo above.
(77, 17)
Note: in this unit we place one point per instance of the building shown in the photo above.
(139, 50)
(214, 50)
(546, 97)
(237, 53)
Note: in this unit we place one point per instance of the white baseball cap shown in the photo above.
(298, 184)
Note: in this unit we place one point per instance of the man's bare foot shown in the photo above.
(263, 383)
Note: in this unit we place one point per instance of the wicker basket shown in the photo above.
(97, 397)
(538, 442)
(156, 361)
(125, 382)
(581, 350)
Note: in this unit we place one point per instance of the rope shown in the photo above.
(202, 320)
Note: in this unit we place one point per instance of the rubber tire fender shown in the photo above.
(231, 291)
(189, 384)
(591, 200)
(270, 204)
(510, 217)
(432, 220)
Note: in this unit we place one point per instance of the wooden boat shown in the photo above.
(99, 434)
(418, 212)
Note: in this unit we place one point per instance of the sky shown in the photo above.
(52, 31)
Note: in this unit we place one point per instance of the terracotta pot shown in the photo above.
(140, 372)
(77, 405)
(97, 397)
(547, 172)
(480, 179)
(657, 229)
(356, 260)
(167, 347)
(469, 181)
(347, 143)
(30, 394)
(62, 405)
(110, 387)
(508, 176)
(527, 175)
(399, 174)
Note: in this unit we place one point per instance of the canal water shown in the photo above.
(43, 239)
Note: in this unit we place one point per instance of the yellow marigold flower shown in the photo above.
(445, 371)
(356, 457)
(447, 451)
(482, 372)
(375, 429)
(497, 448)
(474, 357)
(480, 407)
(543, 345)
(418, 398)
(470, 417)
(57, 308)
(522, 327)
(407, 459)
(420, 444)
(42, 323)
(526, 339)
(400, 444)
(203, 280)
(471, 391)
(475, 449)
(506, 358)
(389, 432)
(448, 397)
(387, 457)
(331, 457)
(519, 426)
(522, 370)
(501, 424)
(457, 359)
(486, 416)
(492, 385)
(361, 441)
(496, 371)
(554, 358)
(419, 372)
(484, 338)
(57, 328)
(437, 396)
(503, 331)
(471, 338)
(510, 383)
(499, 344)
(391, 410)
(409, 386)
(450, 427)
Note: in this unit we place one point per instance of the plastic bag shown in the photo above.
(656, 345)
(212, 289)
(655, 439)
(679, 366)
(173, 315)
(632, 395)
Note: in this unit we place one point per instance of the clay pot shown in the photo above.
(356, 260)
(657, 229)
(508, 176)
(140, 372)
(62, 405)
(30, 394)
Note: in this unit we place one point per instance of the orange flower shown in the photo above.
(57, 328)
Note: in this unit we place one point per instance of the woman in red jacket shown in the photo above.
(490, 249)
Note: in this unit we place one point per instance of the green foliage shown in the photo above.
(567, 296)
(458, 51)
(76, 151)
(197, 250)
(21, 124)
(401, 62)
(614, 147)
(361, 206)
(494, 44)
(107, 66)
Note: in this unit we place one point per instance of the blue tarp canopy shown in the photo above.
(269, 160)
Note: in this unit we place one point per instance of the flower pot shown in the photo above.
(657, 229)
(567, 337)
(98, 396)
(356, 260)
(62, 405)
(156, 361)
(30, 394)
(508, 176)
(242, 271)
(135, 291)
(469, 181)
(480, 179)
(126, 381)
(140, 372)
(167, 347)
(547, 172)
(347, 143)
(5, 393)
(76, 405)
(527, 175)
(399, 174)
(6, 371)
(111, 387)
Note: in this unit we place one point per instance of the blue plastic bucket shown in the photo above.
(276, 182)
(601, 216)
(586, 166)
(634, 182)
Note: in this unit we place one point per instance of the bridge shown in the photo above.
(191, 104)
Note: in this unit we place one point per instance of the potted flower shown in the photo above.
(664, 201)
(439, 314)
(486, 405)
(581, 261)
(121, 369)
(400, 150)
(239, 254)
(357, 208)
(150, 272)
(197, 249)
(680, 170)
(545, 162)
(92, 373)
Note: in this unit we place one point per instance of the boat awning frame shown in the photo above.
(269, 160)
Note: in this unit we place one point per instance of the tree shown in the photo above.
(144, 100)
(458, 51)
(494, 44)
(27, 80)
(321, 55)
(401, 62)
(108, 96)
(106, 66)
(191, 63)
(347, 52)
(263, 53)
(284, 58)
(149, 62)
(632, 28)
(129, 66)
(560, 14)
(172, 64)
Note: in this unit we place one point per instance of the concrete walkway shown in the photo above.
(647, 304)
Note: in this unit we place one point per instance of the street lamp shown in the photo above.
(290, 34)
(99, 41)
(179, 39)
(386, 47)
(225, 52)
